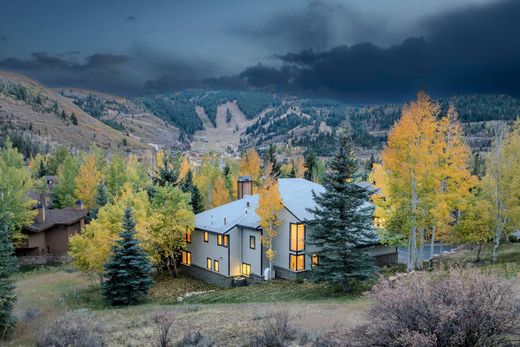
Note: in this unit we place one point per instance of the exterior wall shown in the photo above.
(250, 256)
(235, 251)
(42, 260)
(201, 250)
(37, 242)
(384, 255)
(57, 238)
(281, 241)
(207, 275)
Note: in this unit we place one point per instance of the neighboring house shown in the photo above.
(226, 243)
(47, 239)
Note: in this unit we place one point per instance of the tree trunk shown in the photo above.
(420, 258)
(412, 242)
(432, 243)
(175, 269)
(478, 251)
(345, 285)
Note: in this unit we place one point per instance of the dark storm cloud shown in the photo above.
(3, 38)
(473, 50)
(42, 61)
(131, 19)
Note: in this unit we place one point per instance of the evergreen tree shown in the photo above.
(168, 171)
(292, 173)
(187, 186)
(343, 223)
(42, 171)
(101, 200)
(127, 272)
(270, 158)
(8, 266)
(311, 162)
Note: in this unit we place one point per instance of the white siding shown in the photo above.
(250, 256)
(201, 250)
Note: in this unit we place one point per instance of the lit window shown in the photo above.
(186, 258)
(226, 240)
(297, 237)
(252, 242)
(219, 240)
(246, 269)
(206, 236)
(297, 262)
(209, 263)
(186, 237)
(215, 265)
(314, 260)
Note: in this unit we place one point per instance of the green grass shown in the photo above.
(275, 291)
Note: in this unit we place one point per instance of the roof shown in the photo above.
(54, 217)
(296, 195)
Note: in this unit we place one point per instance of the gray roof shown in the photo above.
(54, 217)
(296, 195)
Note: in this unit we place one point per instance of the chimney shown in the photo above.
(80, 205)
(40, 217)
(244, 186)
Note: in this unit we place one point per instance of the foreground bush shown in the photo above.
(276, 333)
(456, 308)
(73, 330)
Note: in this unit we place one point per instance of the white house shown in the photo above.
(225, 248)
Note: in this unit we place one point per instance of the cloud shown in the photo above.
(131, 19)
(472, 50)
(3, 38)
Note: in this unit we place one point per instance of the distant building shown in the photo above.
(47, 239)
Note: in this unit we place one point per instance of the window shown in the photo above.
(297, 237)
(246, 269)
(252, 242)
(315, 260)
(226, 240)
(186, 237)
(186, 258)
(219, 240)
(297, 262)
(209, 263)
(215, 265)
(206, 236)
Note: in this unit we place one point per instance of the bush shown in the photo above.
(73, 330)
(194, 338)
(163, 323)
(454, 308)
(277, 332)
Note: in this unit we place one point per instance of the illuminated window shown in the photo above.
(186, 258)
(246, 269)
(206, 236)
(215, 265)
(219, 240)
(297, 262)
(186, 237)
(314, 260)
(252, 242)
(208, 263)
(226, 240)
(297, 237)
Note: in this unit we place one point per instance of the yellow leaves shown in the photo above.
(250, 165)
(270, 254)
(87, 181)
(220, 194)
(185, 167)
(270, 206)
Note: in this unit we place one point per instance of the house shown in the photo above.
(226, 246)
(47, 239)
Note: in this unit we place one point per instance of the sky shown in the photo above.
(357, 50)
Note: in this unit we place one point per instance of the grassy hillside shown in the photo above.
(41, 116)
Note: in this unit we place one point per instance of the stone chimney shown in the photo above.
(80, 205)
(244, 186)
(40, 217)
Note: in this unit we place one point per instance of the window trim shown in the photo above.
(216, 265)
(206, 236)
(304, 234)
(297, 255)
(225, 241)
(252, 241)
(187, 237)
(242, 269)
(317, 262)
(219, 240)
(209, 263)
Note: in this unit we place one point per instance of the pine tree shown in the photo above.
(311, 162)
(187, 186)
(42, 171)
(7, 267)
(100, 198)
(127, 272)
(270, 158)
(343, 223)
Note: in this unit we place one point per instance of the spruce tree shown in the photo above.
(127, 273)
(8, 266)
(311, 162)
(101, 200)
(42, 171)
(187, 186)
(270, 158)
(343, 223)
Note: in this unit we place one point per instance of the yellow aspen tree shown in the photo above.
(299, 166)
(250, 165)
(219, 194)
(409, 170)
(185, 167)
(87, 181)
(269, 210)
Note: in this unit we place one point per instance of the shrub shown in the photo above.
(277, 332)
(72, 330)
(194, 338)
(454, 308)
(163, 323)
